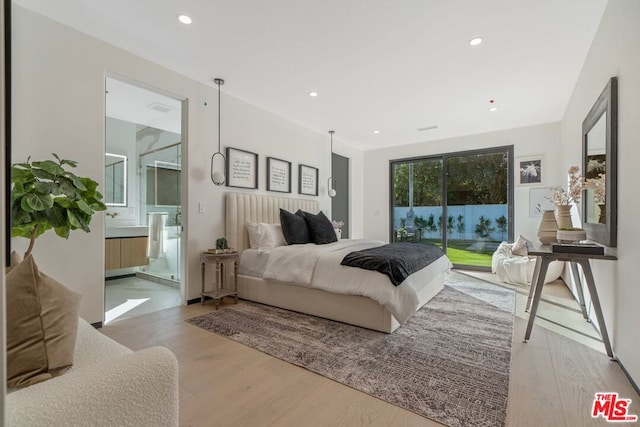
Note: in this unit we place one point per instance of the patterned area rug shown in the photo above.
(450, 362)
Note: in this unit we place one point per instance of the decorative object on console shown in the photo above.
(330, 190)
(218, 178)
(565, 199)
(568, 235)
(578, 248)
(548, 228)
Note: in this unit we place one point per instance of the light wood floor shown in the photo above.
(222, 383)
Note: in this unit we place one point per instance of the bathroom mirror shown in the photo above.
(115, 182)
(599, 165)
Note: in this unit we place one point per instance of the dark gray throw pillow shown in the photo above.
(294, 227)
(320, 227)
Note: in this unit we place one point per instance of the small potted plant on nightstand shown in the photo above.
(221, 245)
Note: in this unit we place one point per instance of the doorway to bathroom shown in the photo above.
(144, 260)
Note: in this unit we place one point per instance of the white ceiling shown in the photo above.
(392, 66)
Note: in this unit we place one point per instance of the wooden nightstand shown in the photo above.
(221, 288)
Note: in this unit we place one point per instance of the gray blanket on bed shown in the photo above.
(396, 260)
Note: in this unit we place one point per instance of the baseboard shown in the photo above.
(97, 325)
(193, 301)
(628, 375)
(121, 276)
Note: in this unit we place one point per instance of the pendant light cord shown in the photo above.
(218, 178)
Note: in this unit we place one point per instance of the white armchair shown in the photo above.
(108, 385)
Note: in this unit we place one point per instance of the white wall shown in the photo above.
(58, 81)
(615, 52)
(527, 141)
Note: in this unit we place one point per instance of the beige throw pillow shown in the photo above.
(520, 247)
(42, 321)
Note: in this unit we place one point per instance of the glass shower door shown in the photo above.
(161, 180)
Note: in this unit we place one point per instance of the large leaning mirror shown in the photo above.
(599, 163)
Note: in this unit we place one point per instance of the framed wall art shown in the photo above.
(278, 175)
(308, 180)
(540, 200)
(530, 170)
(242, 168)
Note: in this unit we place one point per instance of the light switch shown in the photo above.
(200, 207)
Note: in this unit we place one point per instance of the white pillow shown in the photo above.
(520, 247)
(263, 235)
(254, 234)
(276, 236)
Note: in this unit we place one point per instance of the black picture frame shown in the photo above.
(242, 168)
(278, 175)
(307, 180)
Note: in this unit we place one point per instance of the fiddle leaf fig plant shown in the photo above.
(45, 195)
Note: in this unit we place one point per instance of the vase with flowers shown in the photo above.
(337, 227)
(599, 187)
(564, 200)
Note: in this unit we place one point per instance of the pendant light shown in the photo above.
(218, 178)
(330, 190)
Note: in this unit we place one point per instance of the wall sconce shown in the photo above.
(330, 190)
(217, 177)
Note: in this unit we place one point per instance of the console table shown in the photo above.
(544, 256)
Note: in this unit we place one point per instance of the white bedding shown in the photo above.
(318, 266)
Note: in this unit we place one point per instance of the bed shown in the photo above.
(353, 309)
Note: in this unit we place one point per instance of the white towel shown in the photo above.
(156, 234)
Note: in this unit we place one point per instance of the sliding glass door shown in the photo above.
(462, 202)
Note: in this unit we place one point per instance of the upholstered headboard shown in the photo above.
(243, 207)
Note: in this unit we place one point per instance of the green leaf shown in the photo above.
(57, 216)
(84, 207)
(74, 222)
(24, 205)
(77, 182)
(71, 163)
(38, 202)
(45, 187)
(62, 231)
(42, 174)
(49, 166)
(67, 188)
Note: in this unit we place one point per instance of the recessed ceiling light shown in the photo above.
(376, 132)
(475, 41)
(313, 94)
(185, 19)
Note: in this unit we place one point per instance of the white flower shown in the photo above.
(599, 187)
(576, 185)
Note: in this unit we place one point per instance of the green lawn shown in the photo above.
(464, 257)
(459, 254)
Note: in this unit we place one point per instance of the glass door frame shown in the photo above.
(184, 134)
(443, 158)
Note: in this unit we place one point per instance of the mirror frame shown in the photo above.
(606, 234)
(125, 181)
